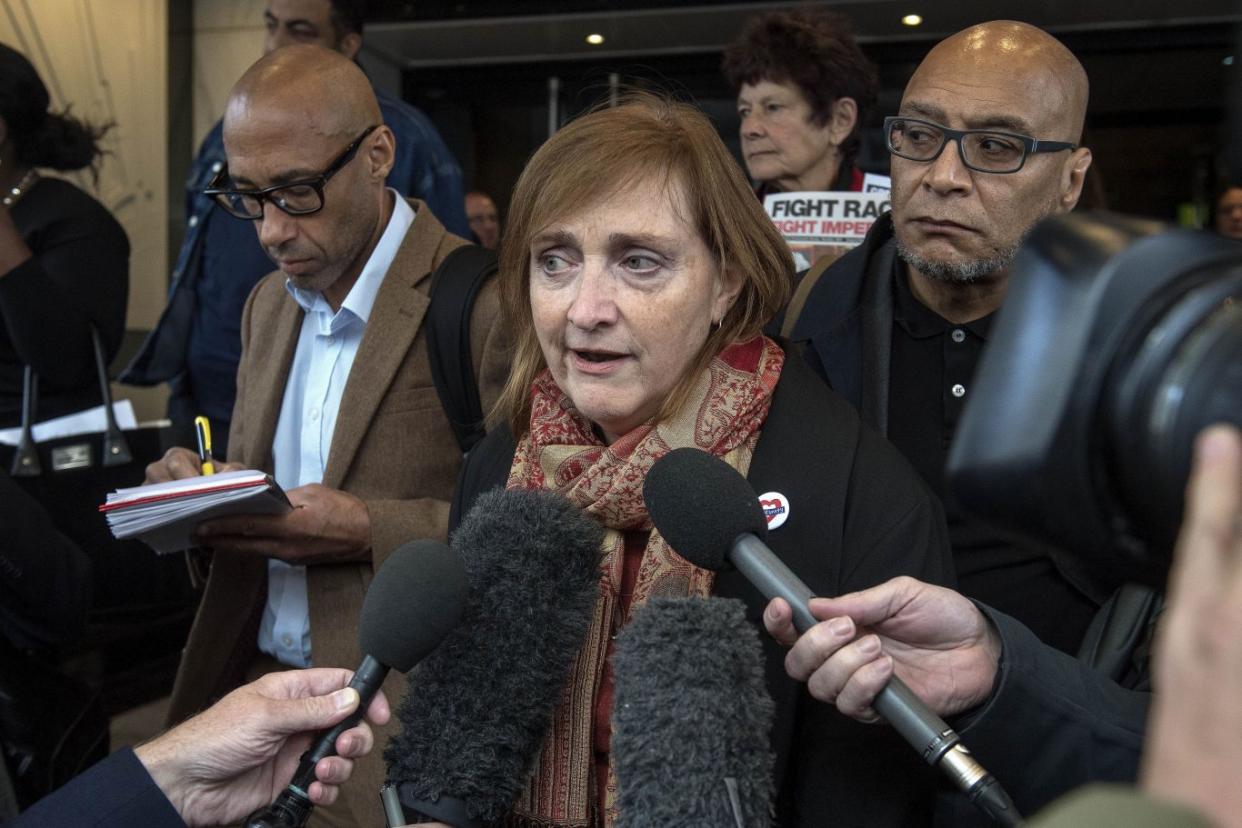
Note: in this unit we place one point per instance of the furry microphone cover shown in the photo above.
(692, 718)
(478, 707)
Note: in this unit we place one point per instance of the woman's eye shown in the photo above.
(640, 263)
(774, 107)
(551, 263)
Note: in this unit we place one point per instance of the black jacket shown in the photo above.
(859, 515)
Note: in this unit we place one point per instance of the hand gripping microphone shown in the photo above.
(478, 708)
(691, 718)
(415, 599)
(711, 516)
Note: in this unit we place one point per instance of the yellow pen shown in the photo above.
(203, 429)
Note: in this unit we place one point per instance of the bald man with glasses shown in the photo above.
(334, 391)
(984, 145)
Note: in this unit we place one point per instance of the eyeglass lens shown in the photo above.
(295, 199)
(992, 151)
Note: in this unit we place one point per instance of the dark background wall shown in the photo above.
(481, 70)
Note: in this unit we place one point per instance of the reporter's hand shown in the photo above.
(179, 463)
(239, 754)
(1194, 739)
(936, 640)
(325, 525)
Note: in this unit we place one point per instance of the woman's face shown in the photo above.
(779, 143)
(623, 296)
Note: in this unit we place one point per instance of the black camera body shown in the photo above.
(1118, 341)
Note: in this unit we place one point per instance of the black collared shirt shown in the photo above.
(931, 375)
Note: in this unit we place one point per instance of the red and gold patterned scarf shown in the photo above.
(726, 410)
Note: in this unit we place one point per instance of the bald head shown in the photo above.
(304, 121)
(1041, 63)
(309, 87)
(958, 223)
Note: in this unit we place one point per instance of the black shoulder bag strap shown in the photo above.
(455, 285)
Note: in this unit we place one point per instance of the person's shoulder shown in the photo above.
(808, 398)
(838, 287)
(807, 413)
(57, 200)
(65, 195)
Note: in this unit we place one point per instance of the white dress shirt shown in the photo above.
(327, 345)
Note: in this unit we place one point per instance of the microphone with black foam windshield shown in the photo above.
(417, 596)
(478, 708)
(711, 516)
(691, 718)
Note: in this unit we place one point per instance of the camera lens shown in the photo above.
(1180, 371)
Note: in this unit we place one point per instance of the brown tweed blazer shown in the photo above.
(392, 447)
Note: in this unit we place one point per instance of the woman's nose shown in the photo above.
(594, 303)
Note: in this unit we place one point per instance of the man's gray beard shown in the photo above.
(961, 273)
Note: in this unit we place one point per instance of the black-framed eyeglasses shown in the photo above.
(982, 150)
(297, 198)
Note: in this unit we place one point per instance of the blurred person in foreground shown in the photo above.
(64, 260)
(222, 764)
(639, 270)
(484, 219)
(335, 395)
(803, 89)
(196, 346)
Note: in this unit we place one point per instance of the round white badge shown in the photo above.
(775, 508)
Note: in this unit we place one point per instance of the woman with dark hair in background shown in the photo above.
(803, 90)
(64, 260)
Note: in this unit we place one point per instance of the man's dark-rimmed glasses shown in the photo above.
(982, 150)
(297, 198)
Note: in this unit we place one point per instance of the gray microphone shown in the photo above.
(691, 718)
(711, 516)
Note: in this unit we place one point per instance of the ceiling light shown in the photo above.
(912, 20)
(1228, 61)
(595, 39)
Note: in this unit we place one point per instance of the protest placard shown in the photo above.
(816, 225)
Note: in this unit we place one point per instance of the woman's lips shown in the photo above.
(596, 363)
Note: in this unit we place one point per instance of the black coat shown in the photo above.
(859, 515)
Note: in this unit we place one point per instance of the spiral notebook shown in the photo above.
(165, 515)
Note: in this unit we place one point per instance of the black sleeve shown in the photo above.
(1053, 723)
(45, 579)
(79, 274)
